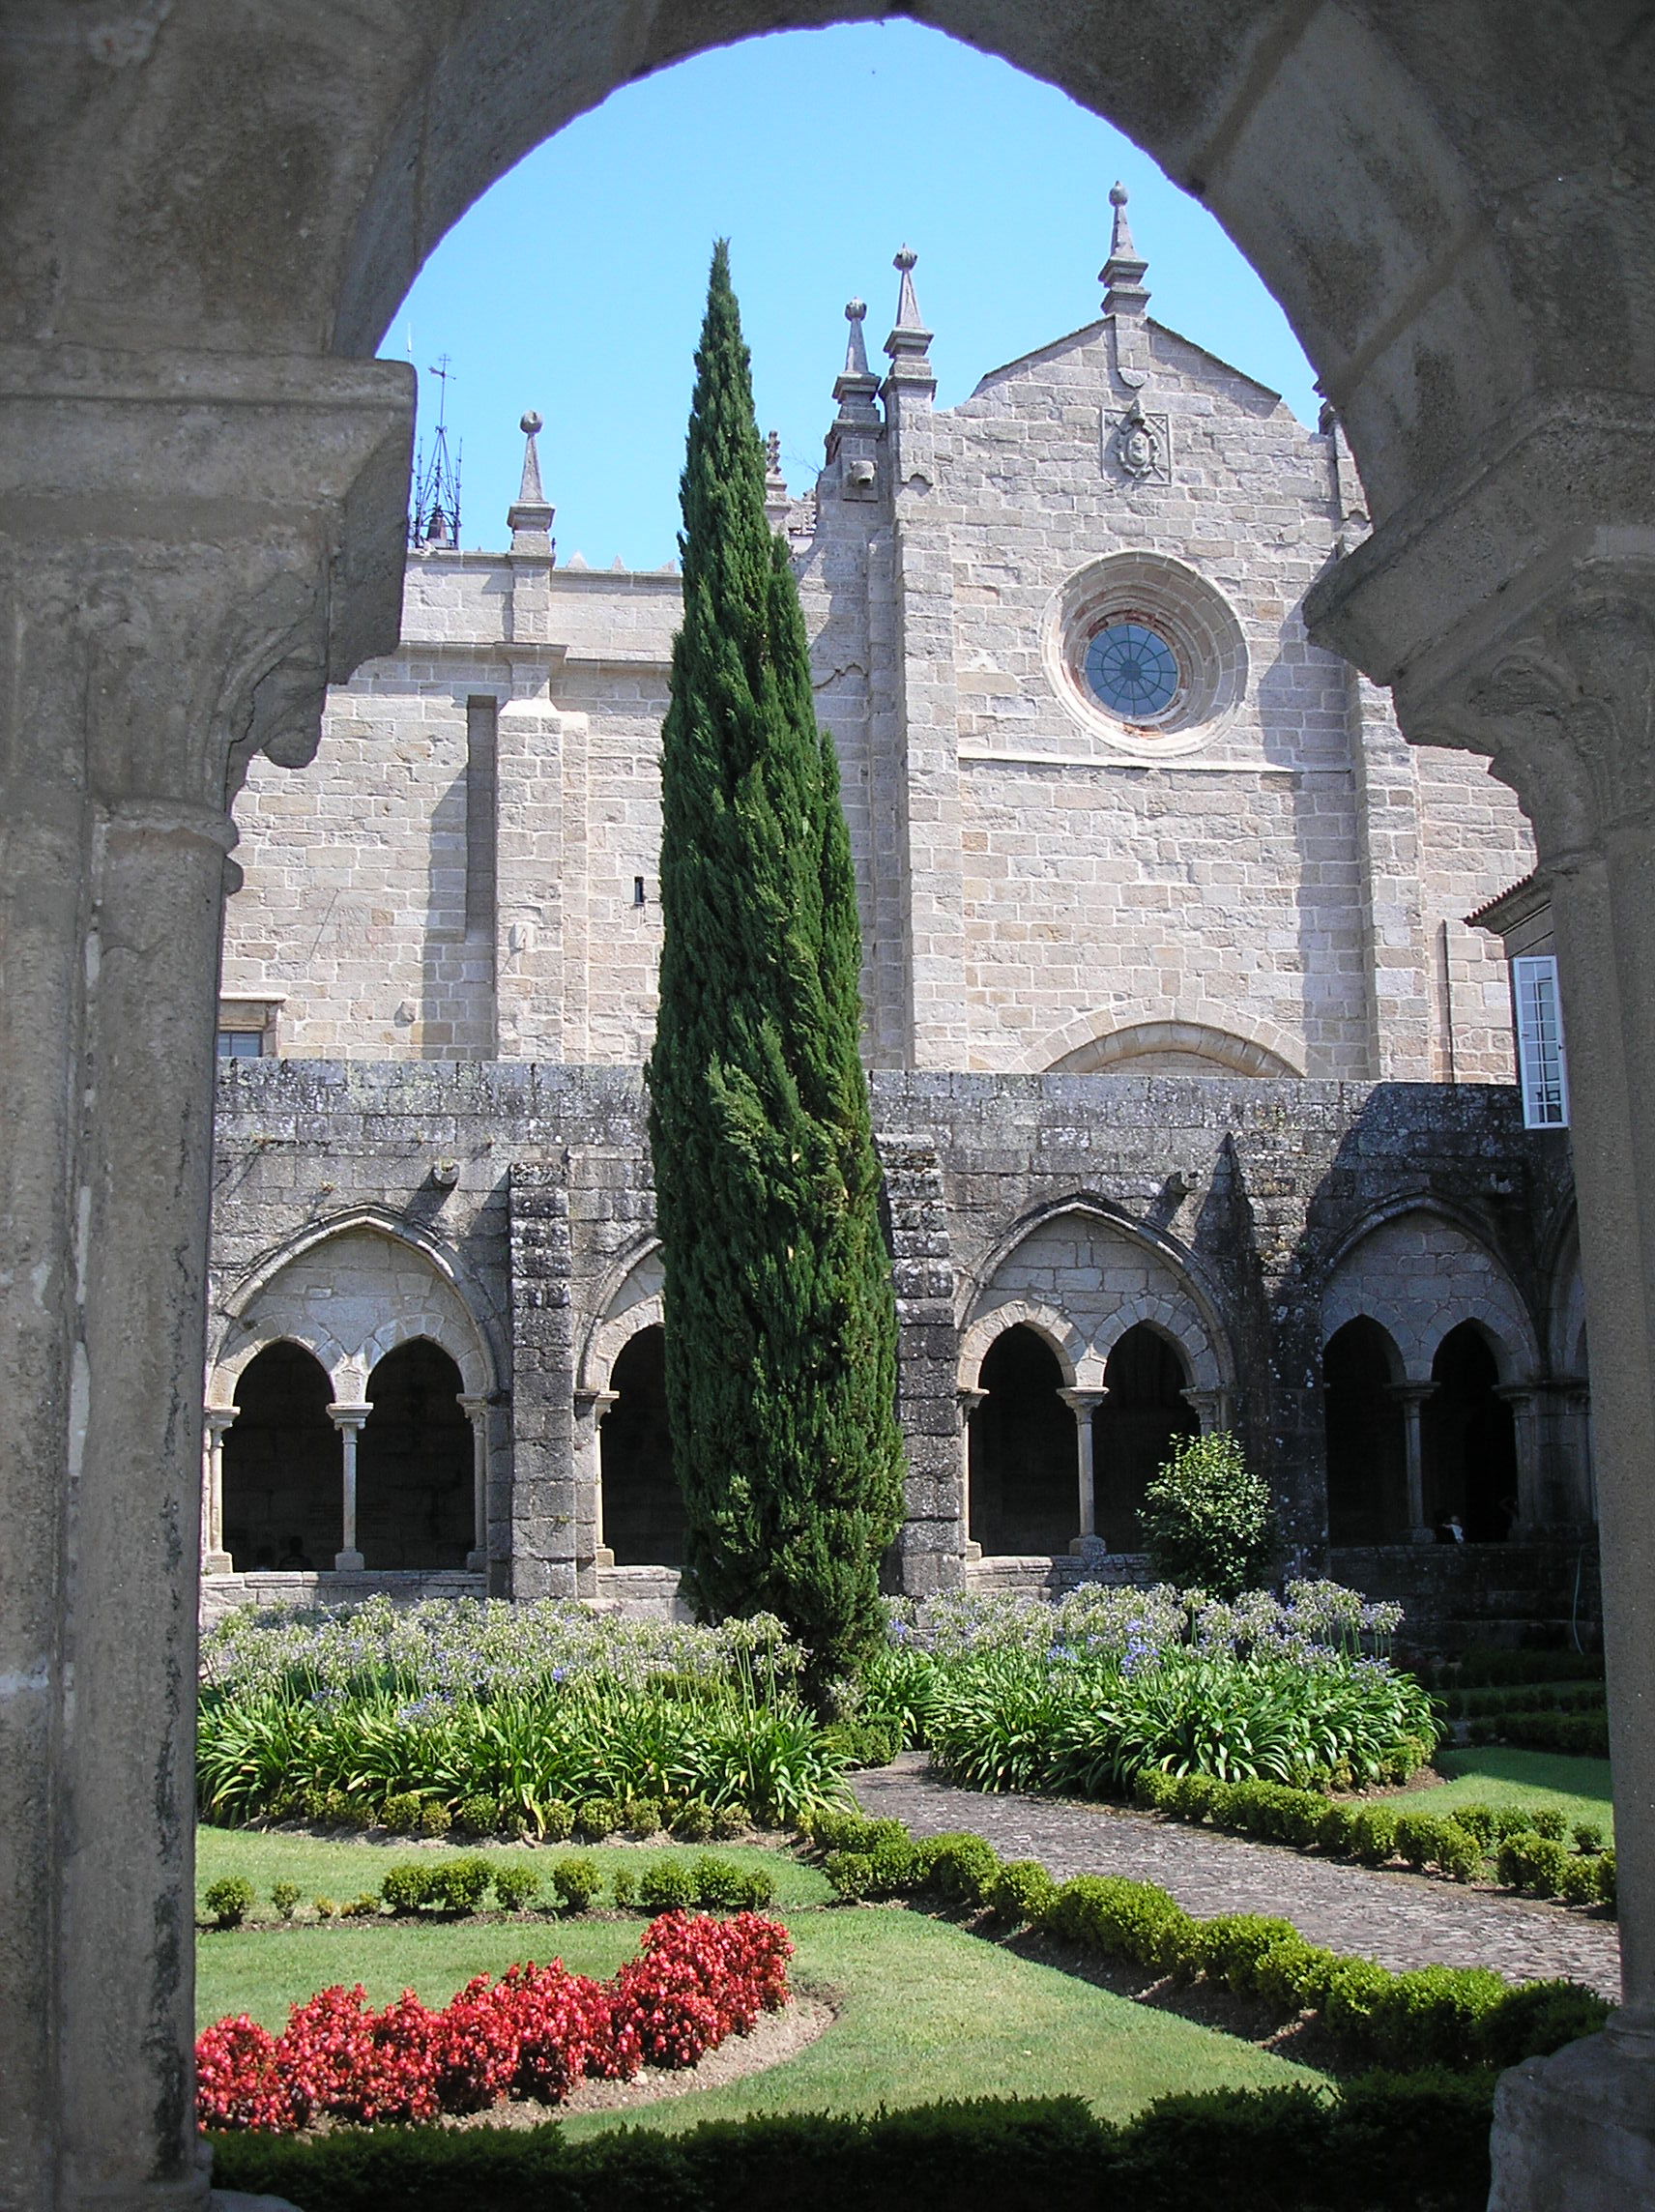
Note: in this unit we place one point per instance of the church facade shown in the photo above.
(1192, 1080)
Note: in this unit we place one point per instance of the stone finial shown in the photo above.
(777, 502)
(529, 517)
(908, 339)
(856, 349)
(1123, 274)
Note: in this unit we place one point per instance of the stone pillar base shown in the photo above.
(217, 1564)
(1576, 2132)
(348, 1562)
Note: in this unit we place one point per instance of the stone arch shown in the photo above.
(629, 1298)
(1420, 1270)
(1365, 1433)
(1099, 1273)
(1168, 1044)
(1053, 1329)
(398, 1287)
(278, 1507)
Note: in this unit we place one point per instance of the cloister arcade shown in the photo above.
(1454, 207)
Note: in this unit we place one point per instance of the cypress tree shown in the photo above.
(780, 1318)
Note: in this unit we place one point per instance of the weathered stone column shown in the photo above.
(1084, 1404)
(591, 1407)
(1517, 625)
(350, 1421)
(1411, 1396)
(179, 576)
(215, 1560)
(1533, 1513)
(475, 1411)
(968, 1402)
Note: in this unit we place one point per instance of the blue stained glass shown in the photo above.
(1132, 670)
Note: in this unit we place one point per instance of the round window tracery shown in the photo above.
(1133, 670)
(1145, 653)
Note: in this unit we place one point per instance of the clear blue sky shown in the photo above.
(577, 285)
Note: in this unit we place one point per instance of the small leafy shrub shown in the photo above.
(1536, 2020)
(1155, 1790)
(1578, 1884)
(557, 1821)
(1457, 1853)
(1418, 1838)
(1232, 1944)
(1512, 1821)
(1548, 1820)
(1588, 1837)
(477, 1815)
(1356, 1990)
(666, 1885)
(1193, 1796)
(729, 1821)
(958, 1868)
(716, 1883)
(1294, 1975)
(692, 1820)
(1373, 1834)
(285, 1897)
(623, 1887)
(1335, 1830)
(400, 1812)
(852, 1875)
(1206, 1518)
(1431, 2015)
(435, 1818)
(458, 1886)
(1021, 1891)
(576, 1881)
(229, 1900)
(324, 1908)
(596, 1817)
(1606, 1878)
(405, 1888)
(1531, 1862)
(515, 1887)
(1131, 1919)
(841, 1829)
(362, 1907)
(897, 1865)
(758, 1890)
(643, 1815)
(1478, 1821)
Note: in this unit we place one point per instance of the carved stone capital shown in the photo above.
(191, 548)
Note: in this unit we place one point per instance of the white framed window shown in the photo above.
(1541, 1064)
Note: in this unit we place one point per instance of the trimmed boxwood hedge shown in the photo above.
(1388, 2143)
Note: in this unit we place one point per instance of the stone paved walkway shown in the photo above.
(1401, 1919)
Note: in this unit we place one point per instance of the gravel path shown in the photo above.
(1401, 1919)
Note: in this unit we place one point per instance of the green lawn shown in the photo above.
(927, 2010)
(1577, 1787)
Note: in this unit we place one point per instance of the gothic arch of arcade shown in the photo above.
(200, 246)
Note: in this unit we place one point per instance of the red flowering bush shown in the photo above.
(533, 2033)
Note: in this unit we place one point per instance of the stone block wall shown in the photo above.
(1233, 1215)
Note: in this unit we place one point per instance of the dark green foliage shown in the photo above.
(1022, 1890)
(596, 1817)
(1538, 2018)
(1206, 1518)
(514, 1887)
(666, 1885)
(400, 1812)
(1373, 1834)
(452, 1886)
(692, 1820)
(576, 1881)
(1588, 1836)
(1234, 1943)
(958, 1868)
(781, 1321)
(229, 1900)
(1388, 2143)
(477, 1815)
(623, 1887)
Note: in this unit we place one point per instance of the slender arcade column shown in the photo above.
(215, 1560)
(177, 584)
(476, 1411)
(590, 1408)
(1084, 1404)
(1411, 1396)
(350, 1421)
(967, 1402)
